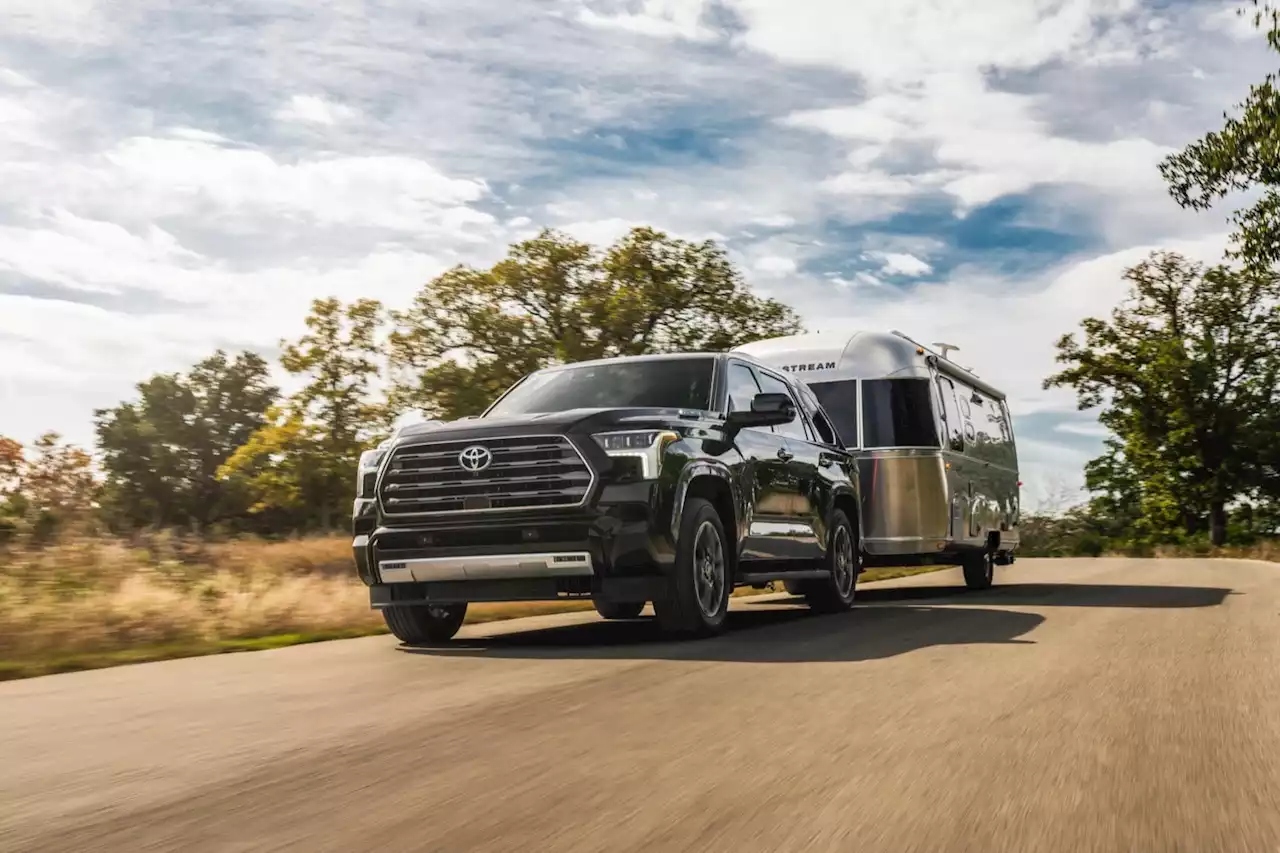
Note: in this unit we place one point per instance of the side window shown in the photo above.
(996, 415)
(742, 387)
(986, 434)
(951, 410)
(840, 401)
(774, 385)
(826, 433)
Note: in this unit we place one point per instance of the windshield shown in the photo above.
(683, 383)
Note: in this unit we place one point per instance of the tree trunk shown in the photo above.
(1218, 523)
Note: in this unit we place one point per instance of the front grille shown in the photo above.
(526, 472)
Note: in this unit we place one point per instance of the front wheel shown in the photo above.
(835, 592)
(980, 570)
(425, 623)
(697, 599)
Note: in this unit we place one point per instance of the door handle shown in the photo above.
(785, 455)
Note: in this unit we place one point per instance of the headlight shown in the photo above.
(367, 471)
(645, 446)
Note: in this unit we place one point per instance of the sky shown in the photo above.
(178, 177)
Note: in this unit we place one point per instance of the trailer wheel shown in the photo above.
(980, 570)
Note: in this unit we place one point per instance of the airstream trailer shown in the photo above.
(937, 463)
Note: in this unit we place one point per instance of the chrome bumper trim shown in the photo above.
(488, 567)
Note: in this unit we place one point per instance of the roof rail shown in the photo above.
(912, 340)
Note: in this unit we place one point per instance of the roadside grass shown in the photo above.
(95, 602)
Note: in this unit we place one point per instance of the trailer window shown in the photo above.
(840, 401)
(898, 413)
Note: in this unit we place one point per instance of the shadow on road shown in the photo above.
(786, 631)
(765, 636)
(1048, 594)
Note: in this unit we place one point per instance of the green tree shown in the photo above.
(56, 489)
(471, 333)
(283, 473)
(161, 452)
(301, 463)
(1186, 373)
(12, 462)
(1244, 155)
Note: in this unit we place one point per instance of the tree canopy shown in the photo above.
(471, 333)
(1186, 373)
(298, 468)
(1243, 156)
(160, 453)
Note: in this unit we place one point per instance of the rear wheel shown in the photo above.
(425, 623)
(619, 610)
(980, 570)
(697, 598)
(834, 593)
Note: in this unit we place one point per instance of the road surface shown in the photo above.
(1081, 705)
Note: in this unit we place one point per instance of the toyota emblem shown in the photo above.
(475, 458)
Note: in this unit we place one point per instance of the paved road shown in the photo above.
(1081, 705)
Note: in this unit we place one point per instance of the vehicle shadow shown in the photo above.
(783, 631)
(757, 635)
(1047, 594)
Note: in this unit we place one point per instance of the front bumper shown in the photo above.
(619, 548)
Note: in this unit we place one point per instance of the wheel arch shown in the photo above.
(713, 483)
(846, 500)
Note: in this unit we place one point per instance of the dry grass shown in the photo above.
(1266, 550)
(95, 602)
(99, 595)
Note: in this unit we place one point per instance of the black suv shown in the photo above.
(668, 479)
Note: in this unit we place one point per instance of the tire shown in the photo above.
(835, 593)
(619, 610)
(979, 570)
(425, 623)
(697, 599)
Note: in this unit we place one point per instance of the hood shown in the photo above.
(573, 420)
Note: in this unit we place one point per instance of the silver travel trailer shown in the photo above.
(937, 462)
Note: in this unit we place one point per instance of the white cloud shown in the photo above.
(902, 263)
(64, 21)
(313, 109)
(661, 18)
(774, 265)
(984, 144)
(910, 39)
(394, 192)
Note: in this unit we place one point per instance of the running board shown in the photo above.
(767, 577)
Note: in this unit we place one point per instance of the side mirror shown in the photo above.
(766, 410)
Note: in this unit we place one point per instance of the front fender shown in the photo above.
(692, 471)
